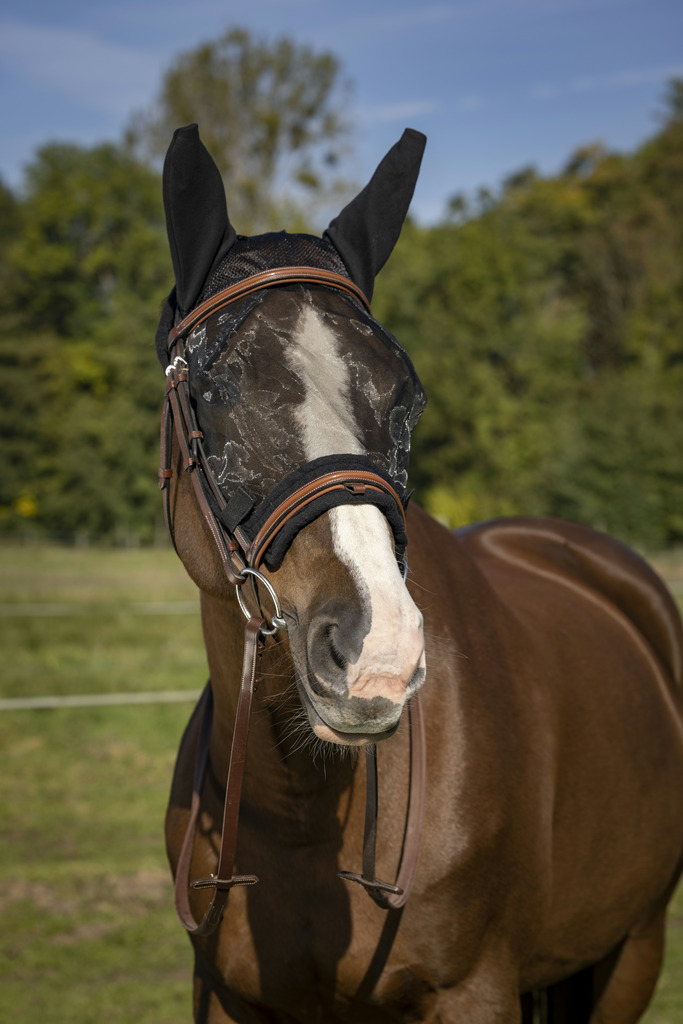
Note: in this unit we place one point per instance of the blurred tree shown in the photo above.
(547, 325)
(9, 215)
(498, 348)
(92, 228)
(546, 321)
(81, 387)
(673, 103)
(10, 227)
(270, 114)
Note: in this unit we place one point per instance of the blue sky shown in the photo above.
(495, 84)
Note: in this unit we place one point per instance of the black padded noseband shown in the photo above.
(307, 493)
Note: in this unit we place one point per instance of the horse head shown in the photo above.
(298, 390)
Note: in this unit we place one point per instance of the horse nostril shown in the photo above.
(336, 654)
(335, 640)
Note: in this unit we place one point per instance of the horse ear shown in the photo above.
(199, 231)
(366, 230)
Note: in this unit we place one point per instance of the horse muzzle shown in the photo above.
(355, 695)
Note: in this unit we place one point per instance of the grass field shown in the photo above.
(89, 933)
(88, 928)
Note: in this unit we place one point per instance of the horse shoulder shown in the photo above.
(552, 696)
(568, 555)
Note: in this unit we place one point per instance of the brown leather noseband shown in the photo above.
(257, 282)
(240, 557)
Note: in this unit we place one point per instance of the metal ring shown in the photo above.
(175, 366)
(277, 621)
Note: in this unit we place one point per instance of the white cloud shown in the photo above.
(480, 11)
(626, 79)
(387, 113)
(613, 80)
(399, 20)
(78, 65)
(467, 103)
(545, 92)
(397, 111)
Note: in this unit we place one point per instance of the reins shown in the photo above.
(223, 879)
(241, 557)
(386, 895)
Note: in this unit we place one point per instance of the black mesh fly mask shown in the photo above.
(299, 398)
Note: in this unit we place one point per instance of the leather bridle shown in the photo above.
(237, 550)
(241, 556)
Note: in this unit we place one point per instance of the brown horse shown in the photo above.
(548, 659)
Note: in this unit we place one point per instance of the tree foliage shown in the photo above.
(547, 324)
(85, 273)
(270, 114)
(545, 320)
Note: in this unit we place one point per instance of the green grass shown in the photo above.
(667, 1005)
(89, 933)
(88, 928)
(107, 646)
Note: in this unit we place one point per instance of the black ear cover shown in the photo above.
(366, 230)
(199, 230)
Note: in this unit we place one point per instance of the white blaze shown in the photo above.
(394, 647)
(325, 415)
(361, 538)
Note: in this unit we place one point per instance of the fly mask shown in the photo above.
(295, 399)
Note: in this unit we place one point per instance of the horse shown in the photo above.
(495, 721)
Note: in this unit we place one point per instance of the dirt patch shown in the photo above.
(100, 893)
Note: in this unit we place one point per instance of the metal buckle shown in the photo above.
(377, 890)
(223, 884)
(177, 365)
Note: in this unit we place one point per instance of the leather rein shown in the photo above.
(241, 557)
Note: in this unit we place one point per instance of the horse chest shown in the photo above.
(282, 941)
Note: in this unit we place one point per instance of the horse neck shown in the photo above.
(282, 773)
